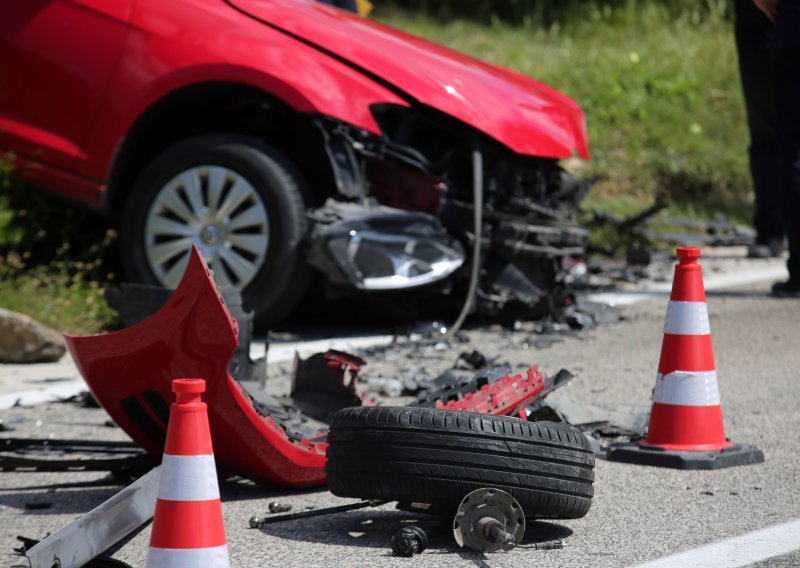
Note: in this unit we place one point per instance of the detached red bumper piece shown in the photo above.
(130, 372)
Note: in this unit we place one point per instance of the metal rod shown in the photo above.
(258, 522)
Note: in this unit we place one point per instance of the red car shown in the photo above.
(286, 138)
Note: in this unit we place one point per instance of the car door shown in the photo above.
(56, 58)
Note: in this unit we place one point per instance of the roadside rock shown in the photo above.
(25, 340)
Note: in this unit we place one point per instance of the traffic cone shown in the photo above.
(187, 525)
(686, 429)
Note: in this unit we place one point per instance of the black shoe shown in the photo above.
(788, 289)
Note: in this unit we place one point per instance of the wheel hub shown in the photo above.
(210, 234)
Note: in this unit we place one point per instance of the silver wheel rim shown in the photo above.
(220, 212)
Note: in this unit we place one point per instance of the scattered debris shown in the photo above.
(325, 383)
(35, 505)
(629, 228)
(547, 545)
(640, 231)
(91, 534)
(125, 459)
(475, 359)
(489, 520)
(258, 522)
(84, 399)
(408, 541)
(278, 507)
(25, 340)
(494, 391)
(269, 440)
(100, 561)
(720, 232)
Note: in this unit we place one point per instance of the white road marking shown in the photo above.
(738, 551)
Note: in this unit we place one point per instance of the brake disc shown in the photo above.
(489, 520)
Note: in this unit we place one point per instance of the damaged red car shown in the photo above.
(291, 140)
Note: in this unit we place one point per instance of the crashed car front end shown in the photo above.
(453, 136)
(407, 202)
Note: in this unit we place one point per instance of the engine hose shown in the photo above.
(477, 209)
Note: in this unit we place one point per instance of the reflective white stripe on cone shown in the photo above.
(687, 318)
(188, 478)
(216, 557)
(687, 388)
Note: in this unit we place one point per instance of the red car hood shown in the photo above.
(528, 117)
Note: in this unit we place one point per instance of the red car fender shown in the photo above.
(130, 373)
(172, 45)
(524, 115)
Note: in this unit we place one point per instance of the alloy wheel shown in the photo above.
(219, 211)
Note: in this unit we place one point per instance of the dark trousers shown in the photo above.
(786, 43)
(787, 105)
(757, 70)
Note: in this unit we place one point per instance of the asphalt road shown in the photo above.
(639, 513)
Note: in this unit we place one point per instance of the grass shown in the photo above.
(59, 301)
(659, 86)
(53, 259)
(658, 82)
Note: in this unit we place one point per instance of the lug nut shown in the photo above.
(278, 507)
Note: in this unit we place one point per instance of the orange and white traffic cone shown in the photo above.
(187, 525)
(686, 429)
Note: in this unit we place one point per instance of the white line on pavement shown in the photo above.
(738, 551)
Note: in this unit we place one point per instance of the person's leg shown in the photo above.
(756, 68)
(788, 108)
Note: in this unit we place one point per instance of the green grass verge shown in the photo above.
(659, 85)
(53, 259)
(59, 301)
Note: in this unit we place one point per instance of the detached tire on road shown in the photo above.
(438, 456)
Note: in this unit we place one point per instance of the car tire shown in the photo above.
(179, 186)
(434, 456)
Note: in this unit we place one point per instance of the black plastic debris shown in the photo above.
(409, 541)
(325, 383)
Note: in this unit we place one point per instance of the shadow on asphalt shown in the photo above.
(239, 489)
(374, 529)
(56, 503)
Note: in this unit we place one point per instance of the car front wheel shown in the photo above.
(240, 202)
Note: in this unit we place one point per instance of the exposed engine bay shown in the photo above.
(405, 217)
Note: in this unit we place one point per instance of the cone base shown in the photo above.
(738, 454)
